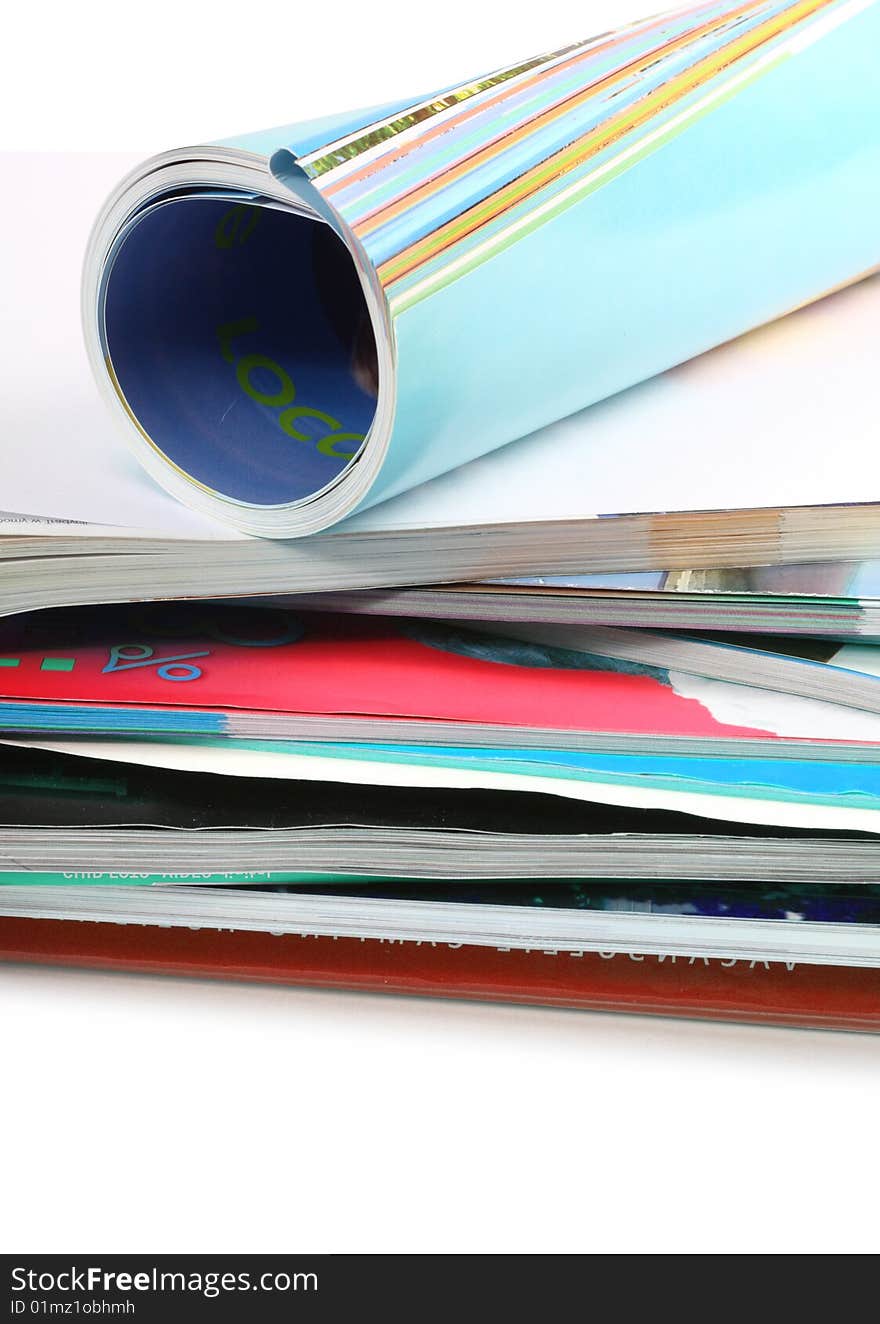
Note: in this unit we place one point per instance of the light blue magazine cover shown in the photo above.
(306, 321)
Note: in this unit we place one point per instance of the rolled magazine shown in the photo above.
(300, 323)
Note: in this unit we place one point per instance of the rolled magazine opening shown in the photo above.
(240, 342)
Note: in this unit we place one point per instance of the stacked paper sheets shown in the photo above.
(492, 565)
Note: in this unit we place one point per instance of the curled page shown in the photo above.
(309, 320)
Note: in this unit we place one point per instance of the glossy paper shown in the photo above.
(175, 671)
(527, 244)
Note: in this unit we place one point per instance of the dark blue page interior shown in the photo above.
(239, 337)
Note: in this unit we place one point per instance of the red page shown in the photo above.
(776, 993)
(300, 664)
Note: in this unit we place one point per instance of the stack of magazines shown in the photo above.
(485, 601)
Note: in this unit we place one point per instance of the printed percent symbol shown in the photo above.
(131, 657)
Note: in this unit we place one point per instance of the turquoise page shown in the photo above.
(348, 308)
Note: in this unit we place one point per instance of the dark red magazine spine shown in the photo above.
(834, 997)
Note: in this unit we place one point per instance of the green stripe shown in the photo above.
(418, 286)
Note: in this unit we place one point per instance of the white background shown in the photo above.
(142, 1114)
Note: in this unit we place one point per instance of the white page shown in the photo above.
(234, 761)
(64, 455)
(784, 416)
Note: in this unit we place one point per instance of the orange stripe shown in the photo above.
(426, 188)
(467, 112)
(597, 140)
